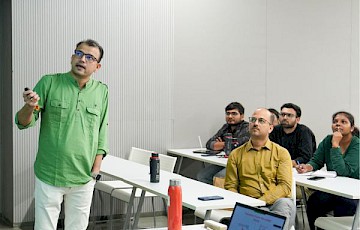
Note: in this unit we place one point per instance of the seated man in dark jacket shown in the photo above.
(235, 124)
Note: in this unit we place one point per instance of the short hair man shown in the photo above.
(73, 138)
(235, 124)
(276, 116)
(262, 169)
(297, 138)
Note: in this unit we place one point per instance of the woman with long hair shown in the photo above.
(340, 152)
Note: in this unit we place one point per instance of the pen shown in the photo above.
(298, 163)
(37, 107)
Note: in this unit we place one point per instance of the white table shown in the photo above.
(184, 227)
(138, 176)
(188, 153)
(340, 186)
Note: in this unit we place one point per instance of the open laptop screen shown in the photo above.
(247, 217)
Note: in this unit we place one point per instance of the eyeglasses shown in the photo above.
(262, 121)
(232, 114)
(289, 115)
(88, 57)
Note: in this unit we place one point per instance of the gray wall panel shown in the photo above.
(6, 148)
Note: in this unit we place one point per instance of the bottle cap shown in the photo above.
(175, 182)
(154, 154)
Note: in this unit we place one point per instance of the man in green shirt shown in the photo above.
(73, 138)
(262, 169)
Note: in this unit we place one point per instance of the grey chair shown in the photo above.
(339, 223)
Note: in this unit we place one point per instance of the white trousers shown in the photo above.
(77, 202)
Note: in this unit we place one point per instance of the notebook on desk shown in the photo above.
(247, 217)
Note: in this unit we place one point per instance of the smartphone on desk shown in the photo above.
(200, 151)
(316, 178)
(205, 198)
(210, 153)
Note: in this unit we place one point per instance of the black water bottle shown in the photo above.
(154, 168)
(228, 143)
(235, 143)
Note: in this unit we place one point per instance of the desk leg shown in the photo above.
(138, 211)
(356, 223)
(207, 214)
(179, 167)
(111, 213)
(303, 194)
(130, 205)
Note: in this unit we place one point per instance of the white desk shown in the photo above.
(188, 153)
(340, 186)
(138, 176)
(185, 227)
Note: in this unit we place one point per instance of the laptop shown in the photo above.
(206, 152)
(247, 217)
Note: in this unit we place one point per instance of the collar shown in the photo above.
(73, 81)
(249, 146)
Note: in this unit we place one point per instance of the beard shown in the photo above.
(233, 124)
(287, 125)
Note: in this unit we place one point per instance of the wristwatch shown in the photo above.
(96, 176)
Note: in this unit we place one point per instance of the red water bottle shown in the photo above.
(175, 207)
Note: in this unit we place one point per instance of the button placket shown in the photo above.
(78, 103)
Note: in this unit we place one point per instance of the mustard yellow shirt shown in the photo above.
(265, 174)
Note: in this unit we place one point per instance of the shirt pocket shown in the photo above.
(270, 170)
(58, 110)
(92, 117)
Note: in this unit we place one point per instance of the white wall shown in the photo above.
(138, 41)
(173, 66)
(220, 57)
(264, 54)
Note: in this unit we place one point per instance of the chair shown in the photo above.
(122, 191)
(339, 223)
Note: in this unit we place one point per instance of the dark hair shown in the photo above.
(355, 132)
(275, 112)
(272, 117)
(235, 105)
(92, 43)
(294, 107)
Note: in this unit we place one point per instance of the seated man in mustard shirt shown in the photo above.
(262, 169)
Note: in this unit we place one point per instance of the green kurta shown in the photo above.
(74, 124)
